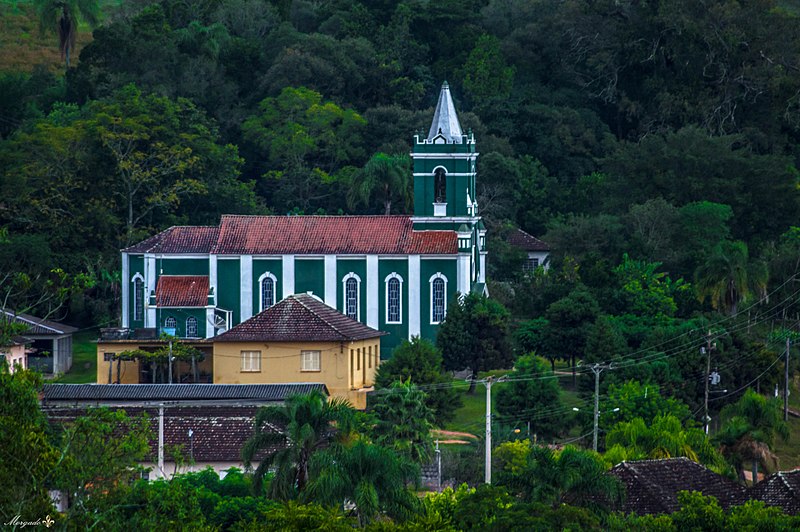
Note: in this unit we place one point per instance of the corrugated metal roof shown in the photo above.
(176, 392)
(38, 326)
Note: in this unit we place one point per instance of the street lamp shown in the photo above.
(191, 450)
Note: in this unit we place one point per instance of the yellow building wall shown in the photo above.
(346, 368)
(129, 369)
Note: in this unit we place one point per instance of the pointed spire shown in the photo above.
(445, 121)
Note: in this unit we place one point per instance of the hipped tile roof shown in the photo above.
(303, 235)
(178, 239)
(182, 291)
(652, 486)
(299, 318)
(780, 489)
(522, 240)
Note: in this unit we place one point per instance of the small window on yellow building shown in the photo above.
(309, 361)
(251, 361)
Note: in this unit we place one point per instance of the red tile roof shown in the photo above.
(182, 291)
(299, 318)
(179, 239)
(520, 239)
(304, 235)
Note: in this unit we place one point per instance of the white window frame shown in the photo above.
(435, 276)
(192, 321)
(138, 294)
(250, 362)
(389, 277)
(264, 277)
(174, 322)
(310, 360)
(346, 278)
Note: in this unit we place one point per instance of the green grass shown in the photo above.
(84, 359)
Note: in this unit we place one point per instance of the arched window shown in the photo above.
(138, 297)
(170, 323)
(440, 185)
(438, 297)
(352, 298)
(267, 283)
(394, 298)
(191, 327)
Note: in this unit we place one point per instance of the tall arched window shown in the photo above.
(170, 323)
(268, 282)
(438, 297)
(351, 294)
(440, 185)
(191, 327)
(138, 297)
(394, 298)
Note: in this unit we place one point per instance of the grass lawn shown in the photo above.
(84, 359)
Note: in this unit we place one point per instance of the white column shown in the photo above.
(246, 286)
(210, 322)
(150, 283)
(330, 280)
(414, 291)
(287, 262)
(212, 276)
(462, 285)
(373, 305)
(482, 272)
(126, 283)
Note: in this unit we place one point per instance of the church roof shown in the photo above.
(445, 120)
(299, 318)
(302, 235)
(179, 239)
(182, 291)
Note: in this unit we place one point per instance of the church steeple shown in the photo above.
(445, 121)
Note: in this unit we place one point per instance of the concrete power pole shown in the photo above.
(786, 383)
(597, 369)
(488, 470)
(707, 352)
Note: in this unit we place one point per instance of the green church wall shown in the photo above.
(397, 332)
(228, 286)
(182, 266)
(261, 266)
(181, 315)
(135, 265)
(309, 276)
(358, 267)
(429, 267)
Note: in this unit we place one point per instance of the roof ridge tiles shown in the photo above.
(315, 313)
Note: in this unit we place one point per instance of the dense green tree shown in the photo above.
(728, 277)
(569, 322)
(421, 362)
(386, 178)
(645, 401)
(531, 396)
(475, 336)
(305, 426)
(404, 421)
(486, 74)
(748, 433)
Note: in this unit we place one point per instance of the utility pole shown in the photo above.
(597, 369)
(707, 351)
(170, 361)
(786, 383)
(161, 439)
(488, 470)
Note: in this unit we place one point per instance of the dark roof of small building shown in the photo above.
(781, 489)
(182, 291)
(117, 393)
(37, 326)
(652, 486)
(522, 240)
(178, 239)
(299, 318)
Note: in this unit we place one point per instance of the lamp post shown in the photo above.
(191, 450)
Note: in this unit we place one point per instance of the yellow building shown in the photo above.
(300, 339)
(114, 369)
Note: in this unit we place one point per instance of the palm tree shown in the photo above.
(63, 16)
(289, 435)
(728, 277)
(388, 176)
(749, 430)
(404, 421)
(371, 477)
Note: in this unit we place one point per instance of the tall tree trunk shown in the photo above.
(472, 382)
(574, 376)
(110, 369)
(194, 368)
(119, 367)
(153, 367)
(755, 472)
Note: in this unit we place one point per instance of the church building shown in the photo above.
(396, 274)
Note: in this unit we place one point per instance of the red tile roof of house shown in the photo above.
(178, 239)
(522, 240)
(299, 318)
(182, 291)
(329, 234)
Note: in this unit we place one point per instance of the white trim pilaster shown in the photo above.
(482, 272)
(413, 295)
(373, 305)
(462, 284)
(330, 280)
(150, 279)
(287, 262)
(210, 322)
(212, 275)
(246, 287)
(126, 284)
